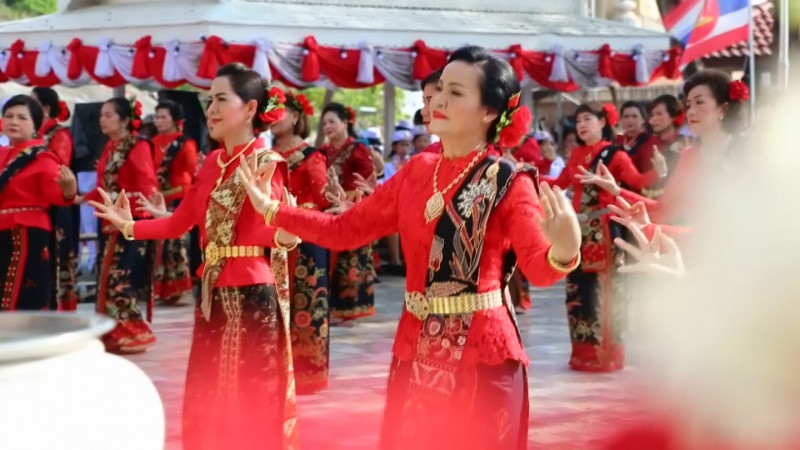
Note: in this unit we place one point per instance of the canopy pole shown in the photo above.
(388, 116)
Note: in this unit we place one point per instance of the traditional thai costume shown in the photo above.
(29, 189)
(240, 391)
(458, 378)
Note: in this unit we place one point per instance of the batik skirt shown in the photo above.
(67, 222)
(240, 392)
(124, 283)
(485, 407)
(596, 313)
(308, 270)
(353, 284)
(28, 269)
(172, 277)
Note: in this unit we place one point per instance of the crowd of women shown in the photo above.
(286, 234)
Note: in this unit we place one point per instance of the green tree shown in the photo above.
(371, 97)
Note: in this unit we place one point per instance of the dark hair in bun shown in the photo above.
(248, 85)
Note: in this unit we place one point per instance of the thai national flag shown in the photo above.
(706, 26)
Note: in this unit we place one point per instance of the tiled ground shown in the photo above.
(565, 406)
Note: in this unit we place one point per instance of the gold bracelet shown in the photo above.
(572, 265)
(125, 234)
(272, 209)
(287, 248)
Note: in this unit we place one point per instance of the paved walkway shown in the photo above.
(565, 406)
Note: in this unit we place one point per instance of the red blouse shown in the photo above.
(35, 187)
(621, 167)
(529, 152)
(359, 162)
(184, 164)
(434, 148)
(308, 179)
(644, 154)
(250, 228)
(398, 206)
(136, 175)
(60, 143)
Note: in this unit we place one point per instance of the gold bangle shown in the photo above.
(125, 234)
(287, 248)
(272, 209)
(572, 265)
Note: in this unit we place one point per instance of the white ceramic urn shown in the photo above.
(59, 389)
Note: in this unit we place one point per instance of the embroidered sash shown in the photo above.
(340, 159)
(598, 232)
(298, 156)
(453, 268)
(48, 135)
(162, 173)
(115, 162)
(19, 162)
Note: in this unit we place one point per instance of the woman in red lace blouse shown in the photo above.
(636, 139)
(352, 290)
(308, 264)
(32, 181)
(595, 303)
(58, 140)
(465, 217)
(239, 389)
(175, 161)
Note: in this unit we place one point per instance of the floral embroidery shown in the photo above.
(475, 193)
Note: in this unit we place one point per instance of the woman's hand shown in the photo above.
(378, 164)
(659, 162)
(156, 205)
(257, 182)
(630, 216)
(68, 182)
(602, 178)
(660, 255)
(339, 201)
(117, 213)
(559, 224)
(367, 185)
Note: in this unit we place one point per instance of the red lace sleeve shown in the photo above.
(173, 226)
(360, 162)
(317, 177)
(140, 175)
(61, 145)
(624, 170)
(48, 179)
(185, 165)
(519, 210)
(266, 233)
(374, 217)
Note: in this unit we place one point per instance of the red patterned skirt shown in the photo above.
(123, 283)
(479, 407)
(28, 269)
(353, 284)
(239, 391)
(309, 326)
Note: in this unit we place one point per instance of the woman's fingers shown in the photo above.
(544, 200)
(104, 195)
(618, 211)
(630, 249)
(97, 206)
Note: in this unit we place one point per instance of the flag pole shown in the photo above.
(752, 60)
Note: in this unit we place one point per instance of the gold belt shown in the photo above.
(214, 253)
(421, 306)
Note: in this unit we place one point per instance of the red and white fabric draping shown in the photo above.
(174, 63)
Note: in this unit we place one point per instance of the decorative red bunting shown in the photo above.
(338, 65)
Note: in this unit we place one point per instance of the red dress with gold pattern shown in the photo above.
(308, 273)
(175, 160)
(28, 190)
(125, 272)
(352, 290)
(239, 390)
(455, 378)
(596, 298)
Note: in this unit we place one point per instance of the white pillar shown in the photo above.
(783, 45)
(625, 12)
(388, 115)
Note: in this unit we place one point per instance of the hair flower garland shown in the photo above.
(513, 124)
(276, 106)
(679, 119)
(612, 115)
(136, 113)
(301, 103)
(351, 115)
(738, 91)
(63, 111)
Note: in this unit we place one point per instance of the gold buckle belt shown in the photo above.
(19, 210)
(421, 306)
(214, 253)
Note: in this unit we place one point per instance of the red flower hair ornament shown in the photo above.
(738, 91)
(351, 115)
(63, 111)
(136, 113)
(301, 103)
(612, 115)
(513, 124)
(679, 119)
(276, 106)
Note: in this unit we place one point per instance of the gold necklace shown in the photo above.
(224, 166)
(435, 205)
